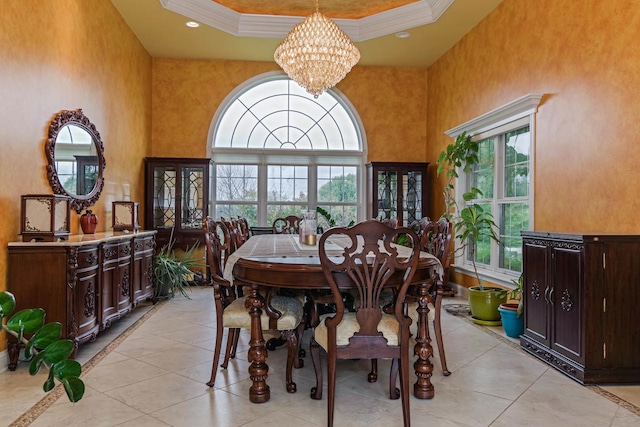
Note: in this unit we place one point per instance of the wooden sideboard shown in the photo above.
(580, 296)
(85, 283)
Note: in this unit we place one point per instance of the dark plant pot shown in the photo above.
(512, 324)
(484, 303)
(163, 290)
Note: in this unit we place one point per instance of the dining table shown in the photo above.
(282, 261)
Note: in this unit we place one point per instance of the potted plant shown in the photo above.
(173, 273)
(43, 346)
(328, 218)
(511, 312)
(471, 225)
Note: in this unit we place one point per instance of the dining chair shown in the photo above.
(435, 238)
(286, 225)
(368, 261)
(235, 233)
(245, 230)
(280, 313)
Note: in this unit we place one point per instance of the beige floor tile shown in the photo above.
(555, 400)
(214, 408)
(178, 358)
(624, 418)
(95, 409)
(158, 393)
(115, 375)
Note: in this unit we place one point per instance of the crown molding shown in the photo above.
(523, 106)
(211, 13)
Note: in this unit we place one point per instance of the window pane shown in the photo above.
(280, 114)
(287, 183)
(341, 216)
(483, 247)
(248, 211)
(236, 182)
(280, 211)
(516, 168)
(482, 175)
(514, 218)
(337, 184)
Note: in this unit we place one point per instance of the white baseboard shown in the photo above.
(460, 291)
(4, 361)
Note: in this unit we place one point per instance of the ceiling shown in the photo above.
(251, 29)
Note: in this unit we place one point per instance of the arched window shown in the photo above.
(278, 151)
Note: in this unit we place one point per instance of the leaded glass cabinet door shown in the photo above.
(177, 199)
(397, 190)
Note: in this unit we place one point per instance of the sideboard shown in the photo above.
(580, 295)
(85, 283)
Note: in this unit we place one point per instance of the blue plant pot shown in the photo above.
(513, 325)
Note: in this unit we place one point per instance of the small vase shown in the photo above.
(88, 222)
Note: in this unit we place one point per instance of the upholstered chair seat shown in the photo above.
(236, 315)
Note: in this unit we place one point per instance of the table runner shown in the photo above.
(288, 245)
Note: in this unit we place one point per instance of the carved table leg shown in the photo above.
(423, 389)
(13, 348)
(258, 370)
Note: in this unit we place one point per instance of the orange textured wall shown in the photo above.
(584, 56)
(186, 94)
(62, 55)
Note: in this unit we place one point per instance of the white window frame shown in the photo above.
(511, 116)
(264, 157)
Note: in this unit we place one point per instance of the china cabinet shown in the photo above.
(84, 282)
(397, 190)
(580, 294)
(176, 199)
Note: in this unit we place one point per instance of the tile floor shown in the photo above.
(156, 377)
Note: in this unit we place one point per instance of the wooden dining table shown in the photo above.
(281, 261)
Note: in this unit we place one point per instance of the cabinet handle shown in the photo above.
(546, 294)
(551, 296)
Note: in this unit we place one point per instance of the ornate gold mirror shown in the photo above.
(76, 158)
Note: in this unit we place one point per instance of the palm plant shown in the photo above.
(172, 272)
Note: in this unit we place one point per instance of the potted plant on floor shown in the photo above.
(511, 312)
(471, 225)
(173, 273)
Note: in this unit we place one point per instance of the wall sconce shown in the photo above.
(126, 216)
(45, 217)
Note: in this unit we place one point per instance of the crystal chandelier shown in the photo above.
(316, 54)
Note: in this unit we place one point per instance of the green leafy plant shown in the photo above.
(515, 294)
(461, 154)
(327, 216)
(472, 223)
(42, 344)
(173, 273)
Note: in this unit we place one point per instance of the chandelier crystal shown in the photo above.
(316, 54)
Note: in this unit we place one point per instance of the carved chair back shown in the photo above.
(369, 261)
(286, 225)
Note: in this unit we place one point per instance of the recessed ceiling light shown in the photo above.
(402, 35)
(192, 24)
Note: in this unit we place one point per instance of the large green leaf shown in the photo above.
(66, 368)
(74, 388)
(7, 304)
(46, 335)
(58, 351)
(49, 384)
(30, 320)
(36, 363)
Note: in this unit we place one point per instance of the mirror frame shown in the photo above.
(77, 118)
